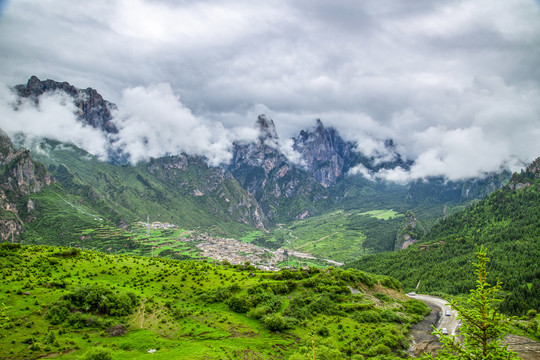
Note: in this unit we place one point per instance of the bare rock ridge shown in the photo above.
(266, 127)
(93, 110)
(327, 156)
(20, 176)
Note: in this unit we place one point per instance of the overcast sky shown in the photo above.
(456, 84)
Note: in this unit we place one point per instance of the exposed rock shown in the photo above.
(411, 231)
(93, 110)
(20, 177)
(327, 156)
(267, 174)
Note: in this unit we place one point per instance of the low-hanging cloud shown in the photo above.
(153, 122)
(428, 74)
(54, 118)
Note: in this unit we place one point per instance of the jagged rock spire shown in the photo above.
(266, 127)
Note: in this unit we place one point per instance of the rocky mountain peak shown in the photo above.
(92, 109)
(327, 156)
(266, 127)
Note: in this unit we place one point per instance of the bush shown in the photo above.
(239, 303)
(259, 312)
(57, 314)
(275, 322)
(101, 299)
(98, 354)
(368, 316)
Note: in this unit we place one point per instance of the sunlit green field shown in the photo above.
(64, 303)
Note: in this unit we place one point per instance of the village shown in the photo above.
(237, 252)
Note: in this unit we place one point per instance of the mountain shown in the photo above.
(284, 190)
(20, 176)
(507, 223)
(92, 109)
(259, 189)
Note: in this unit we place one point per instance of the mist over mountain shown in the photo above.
(153, 122)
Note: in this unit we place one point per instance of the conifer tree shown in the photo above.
(483, 327)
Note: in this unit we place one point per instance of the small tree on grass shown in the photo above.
(483, 326)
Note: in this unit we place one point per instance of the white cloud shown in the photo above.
(372, 69)
(53, 118)
(153, 122)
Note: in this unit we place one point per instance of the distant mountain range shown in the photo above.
(259, 188)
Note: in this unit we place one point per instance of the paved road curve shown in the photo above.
(448, 322)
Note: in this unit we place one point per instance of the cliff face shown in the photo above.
(410, 232)
(327, 156)
(19, 176)
(93, 110)
(266, 173)
(216, 187)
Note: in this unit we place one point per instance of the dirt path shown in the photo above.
(140, 312)
(316, 241)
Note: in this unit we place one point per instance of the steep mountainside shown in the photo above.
(20, 176)
(284, 190)
(507, 222)
(93, 110)
(182, 190)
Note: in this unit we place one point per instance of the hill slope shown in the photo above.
(63, 303)
(507, 222)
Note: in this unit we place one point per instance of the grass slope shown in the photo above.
(63, 303)
(507, 223)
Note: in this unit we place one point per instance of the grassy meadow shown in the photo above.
(64, 303)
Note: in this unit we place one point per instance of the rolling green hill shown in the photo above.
(65, 303)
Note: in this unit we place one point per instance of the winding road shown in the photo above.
(449, 322)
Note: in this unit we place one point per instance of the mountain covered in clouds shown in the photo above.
(266, 180)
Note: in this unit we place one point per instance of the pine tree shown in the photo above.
(483, 326)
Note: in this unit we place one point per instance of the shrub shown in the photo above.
(239, 303)
(275, 322)
(101, 299)
(57, 314)
(98, 354)
(368, 316)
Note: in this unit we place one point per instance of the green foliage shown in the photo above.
(483, 327)
(183, 308)
(275, 322)
(98, 354)
(508, 221)
(101, 299)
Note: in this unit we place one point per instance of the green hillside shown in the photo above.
(64, 303)
(507, 223)
(191, 196)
